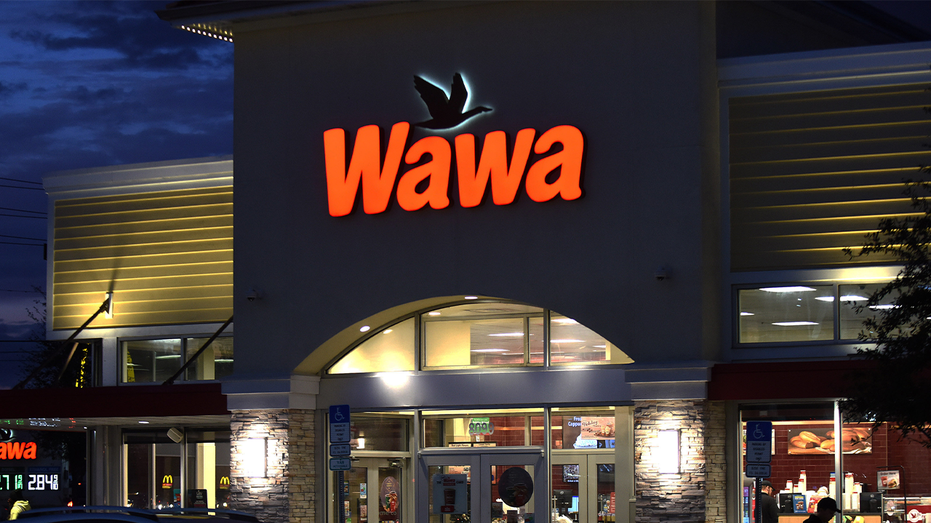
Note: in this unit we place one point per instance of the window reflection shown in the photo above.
(572, 342)
(388, 350)
(148, 361)
(852, 298)
(154, 361)
(479, 334)
(482, 334)
(802, 312)
(788, 313)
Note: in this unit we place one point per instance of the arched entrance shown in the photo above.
(481, 410)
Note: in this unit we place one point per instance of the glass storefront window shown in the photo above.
(216, 362)
(583, 428)
(377, 432)
(154, 361)
(157, 477)
(851, 298)
(479, 334)
(482, 334)
(208, 469)
(479, 428)
(149, 361)
(390, 349)
(153, 470)
(804, 313)
(571, 342)
(786, 313)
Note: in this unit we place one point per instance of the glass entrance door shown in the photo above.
(373, 492)
(481, 485)
(583, 487)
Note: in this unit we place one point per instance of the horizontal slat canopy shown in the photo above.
(166, 256)
(812, 173)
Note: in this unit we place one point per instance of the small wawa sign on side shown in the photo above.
(427, 183)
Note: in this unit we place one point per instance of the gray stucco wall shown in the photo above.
(637, 78)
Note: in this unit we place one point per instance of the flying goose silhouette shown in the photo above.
(446, 112)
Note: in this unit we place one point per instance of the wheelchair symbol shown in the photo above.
(338, 416)
(757, 433)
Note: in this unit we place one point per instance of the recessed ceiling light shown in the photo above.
(364, 328)
(434, 313)
(853, 297)
(567, 340)
(797, 288)
(745, 313)
(565, 321)
(470, 297)
(793, 323)
(507, 334)
(387, 331)
(489, 350)
(144, 422)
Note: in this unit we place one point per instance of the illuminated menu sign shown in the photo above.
(32, 478)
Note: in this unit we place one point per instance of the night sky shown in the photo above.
(91, 84)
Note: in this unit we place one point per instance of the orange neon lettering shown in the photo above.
(568, 184)
(365, 167)
(437, 170)
(505, 181)
(17, 450)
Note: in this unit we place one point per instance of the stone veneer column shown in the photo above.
(715, 463)
(301, 470)
(286, 494)
(663, 498)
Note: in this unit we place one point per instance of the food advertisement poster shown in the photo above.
(389, 501)
(449, 494)
(824, 440)
(888, 480)
(588, 432)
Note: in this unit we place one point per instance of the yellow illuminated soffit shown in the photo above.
(209, 30)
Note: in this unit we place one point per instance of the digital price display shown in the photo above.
(34, 479)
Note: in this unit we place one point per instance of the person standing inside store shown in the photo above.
(768, 507)
(825, 511)
(18, 504)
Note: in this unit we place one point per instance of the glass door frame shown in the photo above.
(372, 462)
(588, 477)
(478, 460)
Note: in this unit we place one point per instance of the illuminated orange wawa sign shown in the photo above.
(17, 450)
(428, 183)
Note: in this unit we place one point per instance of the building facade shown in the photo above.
(515, 258)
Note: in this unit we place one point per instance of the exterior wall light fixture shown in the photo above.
(668, 447)
(254, 457)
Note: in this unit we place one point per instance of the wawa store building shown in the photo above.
(493, 262)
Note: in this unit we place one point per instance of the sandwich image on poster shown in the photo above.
(824, 440)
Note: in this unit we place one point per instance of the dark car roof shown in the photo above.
(134, 515)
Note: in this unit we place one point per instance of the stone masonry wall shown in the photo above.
(715, 463)
(664, 498)
(286, 493)
(301, 470)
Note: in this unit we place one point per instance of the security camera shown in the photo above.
(254, 294)
(661, 274)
